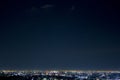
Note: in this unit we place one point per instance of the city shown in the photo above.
(58, 75)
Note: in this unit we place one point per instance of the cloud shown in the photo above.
(73, 8)
(47, 6)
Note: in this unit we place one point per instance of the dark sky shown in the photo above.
(56, 34)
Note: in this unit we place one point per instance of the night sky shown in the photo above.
(56, 34)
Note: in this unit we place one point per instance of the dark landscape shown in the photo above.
(59, 75)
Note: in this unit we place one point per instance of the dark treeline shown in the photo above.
(36, 78)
